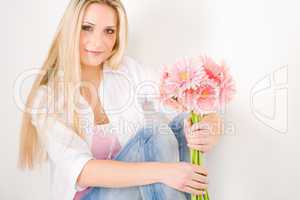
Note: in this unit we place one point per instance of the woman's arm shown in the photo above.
(182, 176)
(111, 173)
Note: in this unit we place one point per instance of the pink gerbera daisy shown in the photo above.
(185, 74)
(206, 99)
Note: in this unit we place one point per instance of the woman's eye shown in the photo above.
(87, 28)
(110, 31)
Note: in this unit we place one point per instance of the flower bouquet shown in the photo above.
(198, 86)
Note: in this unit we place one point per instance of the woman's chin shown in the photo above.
(92, 63)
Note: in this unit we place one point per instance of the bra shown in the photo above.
(103, 147)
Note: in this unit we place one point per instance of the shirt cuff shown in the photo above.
(78, 166)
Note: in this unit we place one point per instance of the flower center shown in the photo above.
(183, 76)
(205, 93)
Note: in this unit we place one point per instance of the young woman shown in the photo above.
(85, 114)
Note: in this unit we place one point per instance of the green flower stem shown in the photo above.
(197, 157)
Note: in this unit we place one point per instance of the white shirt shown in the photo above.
(125, 96)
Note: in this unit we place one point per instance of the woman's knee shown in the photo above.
(177, 123)
(160, 143)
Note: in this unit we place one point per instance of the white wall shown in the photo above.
(257, 157)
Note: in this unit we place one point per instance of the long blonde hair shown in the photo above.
(64, 56)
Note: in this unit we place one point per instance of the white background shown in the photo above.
(257, 157)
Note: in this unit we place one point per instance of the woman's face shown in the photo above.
(98, 34)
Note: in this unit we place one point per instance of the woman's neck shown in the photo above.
(92, 75)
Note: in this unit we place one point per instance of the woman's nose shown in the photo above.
(98, 40)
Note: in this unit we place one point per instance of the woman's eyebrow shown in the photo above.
(93, 24)
(89, 23)
(113, 26)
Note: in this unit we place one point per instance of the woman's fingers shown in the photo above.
(198, 181)
(200, 170)
(196, 185)
(198, 137)
(211, 122)
(200, 126)
(201, 140)
(198, 133)
(200, 178)
(203, 135)
(193, 191)
(190, 129)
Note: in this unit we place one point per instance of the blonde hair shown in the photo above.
(64, 56)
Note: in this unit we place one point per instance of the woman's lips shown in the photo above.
(94, 52)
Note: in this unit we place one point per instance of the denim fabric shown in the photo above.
(149, 144)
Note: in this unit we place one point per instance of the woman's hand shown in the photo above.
(204, 135)
(185, 177)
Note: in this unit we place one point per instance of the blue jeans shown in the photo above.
(150, 144)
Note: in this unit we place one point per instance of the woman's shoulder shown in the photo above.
(49, 98)
(134, 67)
(129, 67)
(128, 64)
(130, 61)
(48, 103)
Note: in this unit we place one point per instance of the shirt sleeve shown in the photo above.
(65, 149)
